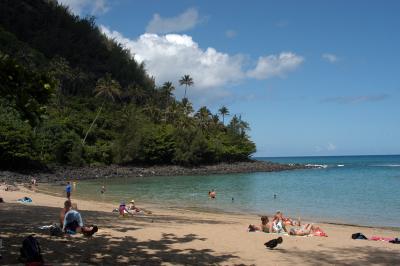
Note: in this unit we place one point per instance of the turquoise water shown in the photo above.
(362, 190)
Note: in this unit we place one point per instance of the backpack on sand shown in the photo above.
(30, 251)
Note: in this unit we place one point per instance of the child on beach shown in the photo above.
(68, 189)
(123, 211)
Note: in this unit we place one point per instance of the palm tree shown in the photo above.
(204, 117)
(167, 89)
(223, 111)
(243, 126)
(107, 88)
(234, 125)
(187, 81)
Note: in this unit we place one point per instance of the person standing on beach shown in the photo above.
(68, 189)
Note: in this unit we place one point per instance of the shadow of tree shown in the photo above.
(18, 221)
(365, 255)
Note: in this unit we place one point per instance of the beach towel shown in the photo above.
(319, 232)
(25, 200)
(278, 227)
(380, 238)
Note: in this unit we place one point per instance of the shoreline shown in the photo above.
(61, 173)
(215, 210)
(184, 237)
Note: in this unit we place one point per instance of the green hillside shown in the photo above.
(71, 96)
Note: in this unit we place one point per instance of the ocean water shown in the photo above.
(363, 190)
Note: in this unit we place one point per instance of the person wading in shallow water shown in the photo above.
(68, 189)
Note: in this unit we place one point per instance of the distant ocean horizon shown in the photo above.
(362, 190)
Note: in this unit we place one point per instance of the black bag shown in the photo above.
(358, 236)
(56, 231)
(30, 251)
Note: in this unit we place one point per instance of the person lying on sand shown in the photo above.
(286, 221)
(306, 230)
(73, 222)
(265, 226)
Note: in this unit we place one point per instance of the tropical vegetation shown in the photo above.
(72, 96)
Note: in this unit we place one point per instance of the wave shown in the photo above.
(340, 165)
(385, 165)
(317, 165)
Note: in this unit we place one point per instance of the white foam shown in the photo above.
(386, 165)
(317, 165)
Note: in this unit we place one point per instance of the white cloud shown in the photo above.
(331, 147)
(275, 65)
(230, 34)
(185, 21)
(169, 57)
(331, 58)
(80, 7)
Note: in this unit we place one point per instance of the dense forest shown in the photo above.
(71, 96)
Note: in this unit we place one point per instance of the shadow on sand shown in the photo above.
(18, 221)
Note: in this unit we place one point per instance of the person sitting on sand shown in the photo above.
(132, 208)
(306, 230)
(278, 225)
(67, 207)
(73, 222)
(287, 221)
(123, 211)
(265, 226)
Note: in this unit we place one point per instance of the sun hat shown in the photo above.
(132, 201)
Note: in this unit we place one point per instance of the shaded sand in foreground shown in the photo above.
(179, 237)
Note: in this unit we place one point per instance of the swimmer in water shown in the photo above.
(213, 194)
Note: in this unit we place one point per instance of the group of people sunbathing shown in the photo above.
(280, 223)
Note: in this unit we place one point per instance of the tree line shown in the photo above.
(70, 95)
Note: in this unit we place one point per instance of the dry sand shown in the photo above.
(178, 237)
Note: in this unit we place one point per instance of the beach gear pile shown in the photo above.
(360, 236)
(25, 200)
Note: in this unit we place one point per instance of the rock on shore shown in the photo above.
(59, 174)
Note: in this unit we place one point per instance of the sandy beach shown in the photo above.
(178, 237)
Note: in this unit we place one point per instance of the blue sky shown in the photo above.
(311, 77)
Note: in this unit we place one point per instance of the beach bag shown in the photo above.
(395, 241)
(30, 251)
(358, 236)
